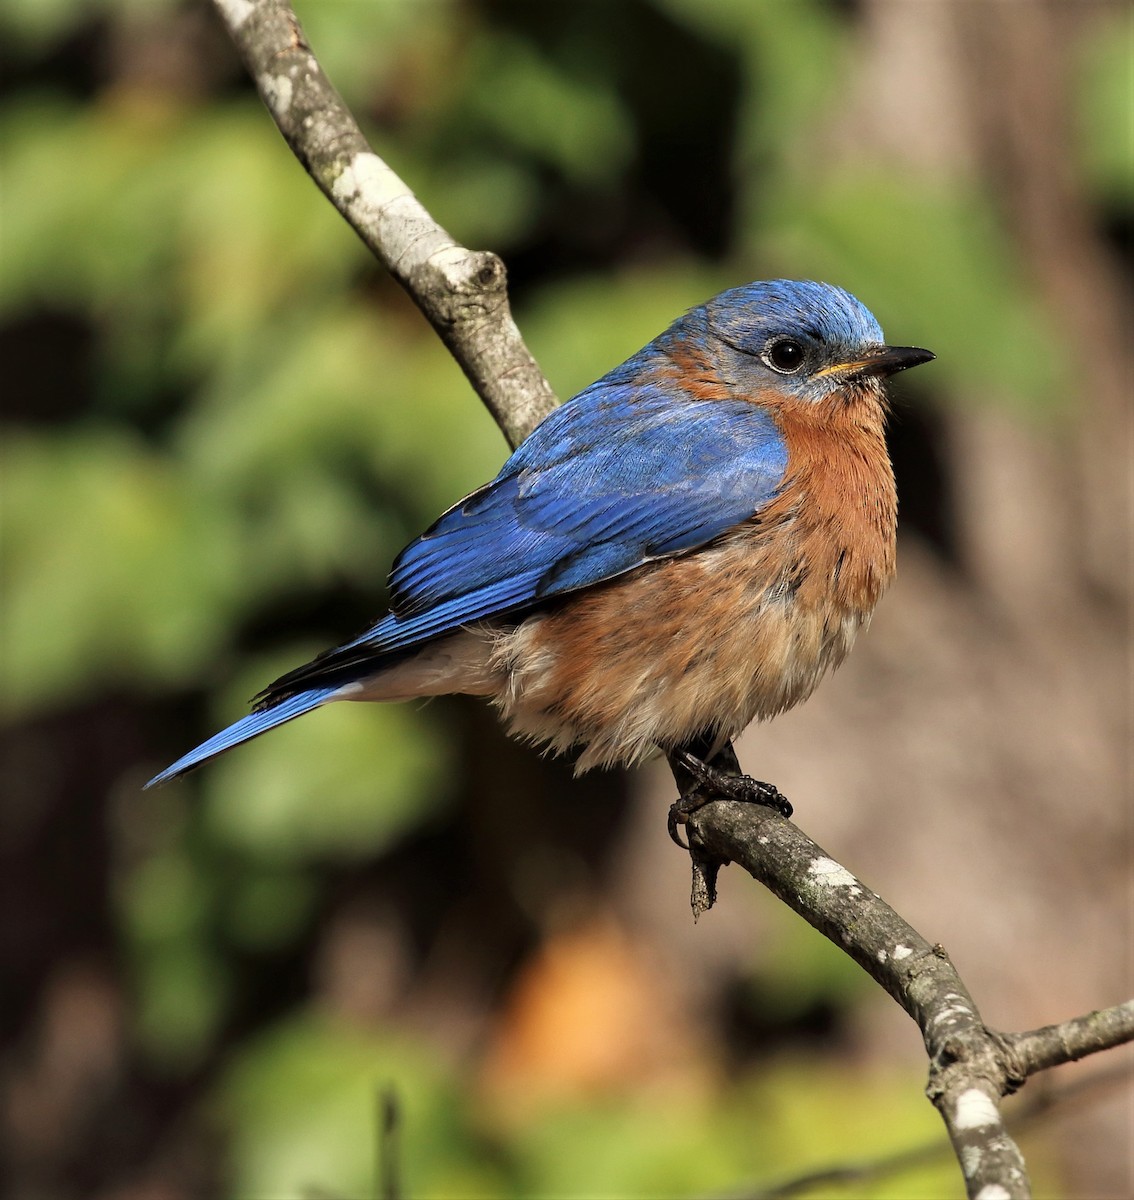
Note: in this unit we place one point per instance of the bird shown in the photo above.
(689, 544)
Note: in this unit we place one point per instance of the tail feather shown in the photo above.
(245, 729)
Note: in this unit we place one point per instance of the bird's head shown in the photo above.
(801, 339)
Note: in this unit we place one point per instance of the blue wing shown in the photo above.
(617, 477)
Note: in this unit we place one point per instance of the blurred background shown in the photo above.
(221, 422)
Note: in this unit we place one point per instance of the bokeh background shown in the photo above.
(221, 421)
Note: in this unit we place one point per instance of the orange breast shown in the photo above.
(841, 486)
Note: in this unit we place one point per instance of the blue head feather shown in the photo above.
(743, 324)
(747, 316)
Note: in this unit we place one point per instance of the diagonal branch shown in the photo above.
(968, 1072)
(971, 1067)
(463, 295)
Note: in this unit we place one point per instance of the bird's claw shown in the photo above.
(677, 816)
(713, 784)
(743, 788)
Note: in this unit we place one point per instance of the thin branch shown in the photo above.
(463, 293)
(1071, 1040)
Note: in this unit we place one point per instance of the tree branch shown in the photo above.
(971, 1067)
(1072, 1040)
(463, 295)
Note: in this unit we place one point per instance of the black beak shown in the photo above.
(892, 359)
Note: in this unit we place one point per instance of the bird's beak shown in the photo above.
(888, 360)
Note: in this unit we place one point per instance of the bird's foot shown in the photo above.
(711, 784)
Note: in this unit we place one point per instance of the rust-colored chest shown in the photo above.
(838, 505)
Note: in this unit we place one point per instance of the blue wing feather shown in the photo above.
(613, 479)
(619, 476)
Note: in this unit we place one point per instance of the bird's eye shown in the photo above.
(785, 356)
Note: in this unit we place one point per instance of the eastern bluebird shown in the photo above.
(686, 545)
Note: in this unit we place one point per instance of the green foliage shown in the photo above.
(111, 576)
(179, 974)
(521, 99)
(371, 44)
(800, 972)
(302, 1103)
(1105, 112)
(794, 57)
(33, 25)
(579, 329)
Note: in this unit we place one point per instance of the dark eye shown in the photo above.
(785, 356)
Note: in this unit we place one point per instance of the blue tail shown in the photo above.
(246, 728)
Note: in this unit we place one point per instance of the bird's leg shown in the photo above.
(702, 781)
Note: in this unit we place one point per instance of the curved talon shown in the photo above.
(675, 818)
(690, 801)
